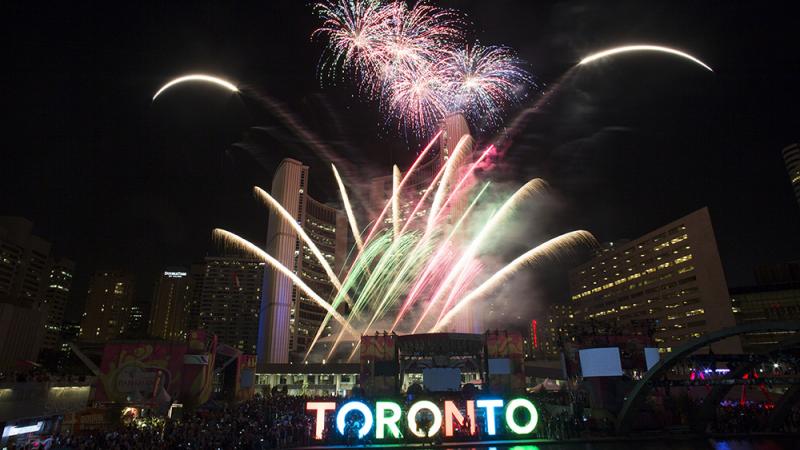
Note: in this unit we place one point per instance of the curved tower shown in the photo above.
(288, 188)
(289, 320)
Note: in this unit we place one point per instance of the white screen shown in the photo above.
(600, 362)
(441, 379)
(651, 356)
(499, 366)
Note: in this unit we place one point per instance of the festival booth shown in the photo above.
(157, 378)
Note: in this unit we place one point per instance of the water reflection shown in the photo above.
(664, 444)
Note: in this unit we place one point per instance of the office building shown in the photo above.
(108, 306)
(290, 320)
(230, 298)
(765, 303)
(558, 328)
(791, 156)
(774, 297)
(138, 321)
(34, 287)
(170, 307)
(23, 261)
(671, 276)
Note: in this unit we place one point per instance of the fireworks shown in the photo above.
(640, 48)
(197, 77)
(351, 218)
(287, 216)
(481, 80)
(233, 240)
(550, 249)
(416, 63)
(418, 275)
(354, 30)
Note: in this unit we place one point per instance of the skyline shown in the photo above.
(156, 207)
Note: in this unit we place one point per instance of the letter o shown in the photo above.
(354, 406)
(412, 418)
(521, 403)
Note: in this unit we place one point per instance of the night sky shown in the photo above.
(628, 144)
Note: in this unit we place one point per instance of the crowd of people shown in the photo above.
(748, 417)
(736, 417)
(257, 424)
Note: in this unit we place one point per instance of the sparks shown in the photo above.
(242, 244)
(640, 48)
(549, 249)
(351, 218)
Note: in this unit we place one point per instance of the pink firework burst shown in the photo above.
(355, 31)
(413, 60)
(483, 80)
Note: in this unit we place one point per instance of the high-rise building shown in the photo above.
(70, 332)
(197, 274)
(56, 294)
(138, 321)
(23, 261)
(230, 298)
(672, 276)
(559, 328)
(34, 286)
(170, 307)
(791, 156)
(290, 320)
(108, 306)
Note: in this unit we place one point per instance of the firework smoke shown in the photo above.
(549, 249)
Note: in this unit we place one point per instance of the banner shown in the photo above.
(140, 373)
(506, 348)
(198, 379)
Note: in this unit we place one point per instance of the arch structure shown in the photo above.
(638, 394)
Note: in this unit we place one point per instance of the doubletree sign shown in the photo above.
(519, 415)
